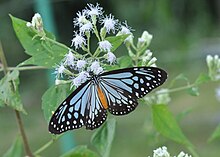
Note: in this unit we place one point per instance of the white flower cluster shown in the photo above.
(141, 53)
(213, 63)
(79, 66)
(217, 91)
(163, 152)
(161, 97)
(36, 23)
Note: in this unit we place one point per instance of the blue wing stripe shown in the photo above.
(119, 84)
(119, 75)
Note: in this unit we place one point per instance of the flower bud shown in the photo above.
(146, 37)
(129, 40)
(152, 61)
(37, 22)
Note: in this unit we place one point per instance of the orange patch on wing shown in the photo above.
(102, 98)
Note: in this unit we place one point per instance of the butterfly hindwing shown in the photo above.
(120, 101)
(71, 113)
(82, 107)
(96, 113)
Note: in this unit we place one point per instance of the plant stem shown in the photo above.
(43, 147)
(24, 68)
(181, 88)
(24, 137)
(192, 151)
(18, 117)
(57, 43)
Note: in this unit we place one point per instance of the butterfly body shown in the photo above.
(116, 91)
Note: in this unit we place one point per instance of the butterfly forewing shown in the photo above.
(123, 87)
(137, 81)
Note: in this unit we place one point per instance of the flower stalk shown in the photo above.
(18, 117)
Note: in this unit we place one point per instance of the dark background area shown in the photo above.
(184, 32)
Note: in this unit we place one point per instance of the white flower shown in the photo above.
(163, 96)
(28, 24)
(60, 70)
(35, 19)
(111, 57)
(69, 59)
(145, 38)
(95, 65)
(86, 27)
(129, 39)
(147, 57)
(161, 152)
(209, 60)
(37, 22)
(58, 82)
(105, 45)
(148, 54)
(214, 67)
(125, 30)
(141, 40)
(217, 91)
(78, 41)
(81, 78)
(94, 10)
(99, 70)
(81, 19)
(152, 61)
(182, 154)
(109, 23)
(95, 68)
(81, 64)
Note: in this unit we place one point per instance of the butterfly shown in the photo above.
(117, 91)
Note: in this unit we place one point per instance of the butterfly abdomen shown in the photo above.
(102, 97)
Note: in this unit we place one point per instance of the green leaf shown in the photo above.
(183, 114)
(194, 91)
(203, 78)
(124, 61)
(1, 102)
(52, 98)
(166, 124)
(116, 41)
(80, 151)
(42, 52)
(16, 149)
(9, 91)
(111, 67)
(215, 134)
(103, 137)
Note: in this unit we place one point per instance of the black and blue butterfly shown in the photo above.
(116, 91)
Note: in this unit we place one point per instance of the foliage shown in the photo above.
(16, 149)
(80, 151)
(103, 137)
(45, 51)
(9, 91)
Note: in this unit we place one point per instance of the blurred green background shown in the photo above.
(184, 32)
